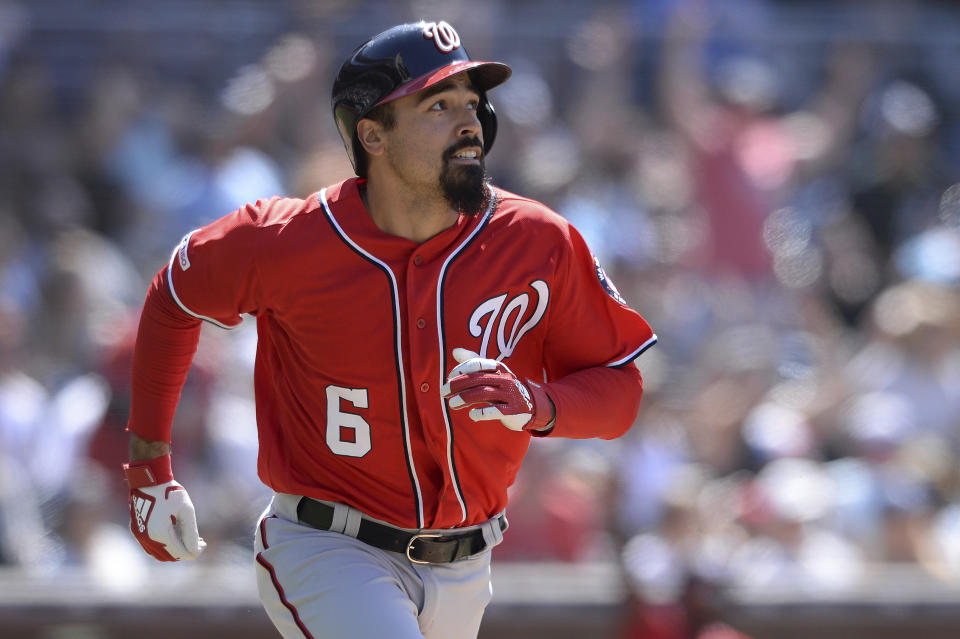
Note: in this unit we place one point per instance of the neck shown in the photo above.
(405, 213)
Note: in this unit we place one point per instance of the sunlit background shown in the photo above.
(774, 185)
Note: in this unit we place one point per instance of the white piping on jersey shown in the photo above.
(443, 354)
(396, 318)
(623, 360)
(173, 291)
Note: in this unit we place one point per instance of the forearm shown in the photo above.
(166, 342)
(142, 449)
(596, 402)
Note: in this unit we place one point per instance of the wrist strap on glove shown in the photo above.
(543, 417)
(148, 472)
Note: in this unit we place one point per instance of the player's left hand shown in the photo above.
(491, 391)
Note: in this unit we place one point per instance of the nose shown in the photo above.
(469, 125)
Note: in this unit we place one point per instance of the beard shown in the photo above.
(465, 186)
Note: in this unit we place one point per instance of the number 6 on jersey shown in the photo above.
(337, 421)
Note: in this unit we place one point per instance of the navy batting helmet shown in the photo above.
(402, 61)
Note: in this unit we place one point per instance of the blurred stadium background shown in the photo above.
(775, 185)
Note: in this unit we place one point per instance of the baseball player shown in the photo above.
(416, 327)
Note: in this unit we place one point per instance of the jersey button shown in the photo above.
(424, 387)
(421, 323)
(417, 260)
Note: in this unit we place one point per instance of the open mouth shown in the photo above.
(465, 155)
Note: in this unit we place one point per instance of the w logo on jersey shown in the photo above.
(507, 321)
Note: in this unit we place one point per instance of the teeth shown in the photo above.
(467, 154)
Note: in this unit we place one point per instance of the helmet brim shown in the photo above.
(485, 76)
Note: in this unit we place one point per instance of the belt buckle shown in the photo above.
(414, 539)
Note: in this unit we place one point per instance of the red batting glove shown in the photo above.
(492, 391)
(162, 517)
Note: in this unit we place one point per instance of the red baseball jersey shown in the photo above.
(356, 329)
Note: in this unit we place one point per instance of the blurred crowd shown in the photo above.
(775, 186)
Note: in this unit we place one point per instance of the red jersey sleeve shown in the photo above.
(213, 273)
(166, 342)
(590, 322)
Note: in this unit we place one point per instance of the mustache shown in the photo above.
(463, 144)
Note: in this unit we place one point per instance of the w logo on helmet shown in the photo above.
(443, 35)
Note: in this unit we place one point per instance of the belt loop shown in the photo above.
(285, 505)
(492, 535)
(352, 525)
(339, 523)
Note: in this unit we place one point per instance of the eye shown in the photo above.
(474, 104)
(439, 105)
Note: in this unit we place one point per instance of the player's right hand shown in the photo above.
(162, 517)
(492, 392)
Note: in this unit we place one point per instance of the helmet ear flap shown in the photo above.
(347, 124)
(488, 122)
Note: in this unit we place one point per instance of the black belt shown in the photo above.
(419, 547)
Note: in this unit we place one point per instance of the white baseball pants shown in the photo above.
(317, 584)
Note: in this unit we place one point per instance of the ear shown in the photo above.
(370, 134)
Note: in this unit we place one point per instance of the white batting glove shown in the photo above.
(492, 392)
(162, 517)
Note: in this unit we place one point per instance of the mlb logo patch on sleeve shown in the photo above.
(182, 252)
(607, 283)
